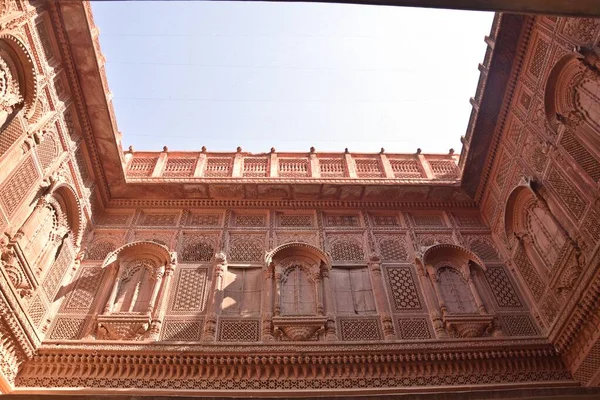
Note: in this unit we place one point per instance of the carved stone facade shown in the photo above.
(298, 273)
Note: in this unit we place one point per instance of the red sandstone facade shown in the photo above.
(305, 273)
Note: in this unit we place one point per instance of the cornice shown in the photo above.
(506, 60)
(298, 204)
(282, 368)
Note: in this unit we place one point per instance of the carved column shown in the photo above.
(159, 273)
(161, 306)
(478, 301)
(383, 307)
(330, 328)
(277, 295)
(430, 301)
(216, 294)
(267, 306)
(113, 294)
(319, 291)
(438, 314)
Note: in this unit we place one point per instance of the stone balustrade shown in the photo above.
(310, 166)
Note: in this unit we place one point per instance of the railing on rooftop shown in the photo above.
(309, 166)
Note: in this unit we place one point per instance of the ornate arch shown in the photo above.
(518, 202)
(438, 253)
(25, 68)
(67, 197)
(298, 248)
(148, 249)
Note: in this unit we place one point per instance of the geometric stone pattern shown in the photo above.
(567, 193)
(56, 273)
(80, 299)
(413, 328)
(346, 248)
(189, 291)
(17, 186)
(392, 248)
(248, 248)
(403, 289)
(234, 330)
(198, 248)
(37, 311)
(182, 330)
(518, 325)
(291, 220)
(502, 288)
(590, 365)
(250, 220)
(67, 328)
(529, 274)
(99, 249)
(357, 329)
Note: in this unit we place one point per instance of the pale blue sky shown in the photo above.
(290, 75)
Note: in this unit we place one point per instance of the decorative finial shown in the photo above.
(382, 151)
(165, 149)
(239, 149)
(419, 150)
(346, 150)
(272, 149)
(312, 149)
(451, 151)
(204, 149)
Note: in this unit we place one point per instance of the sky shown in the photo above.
(290, 75)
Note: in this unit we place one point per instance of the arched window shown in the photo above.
(456, 292)
(135, 287)
(141, 274)
(298, 295)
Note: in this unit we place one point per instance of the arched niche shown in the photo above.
(134, 308)
(18, 82)
(570, 95)
(50, 235)
(296, 294)
(529, 222)
(451, 270)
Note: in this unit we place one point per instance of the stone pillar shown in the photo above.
(478, 301)
(431, 301)
(330, 328)
(277, 295)
(161, 306)
(273, 164)
(315, 171)
(216, 293)
(350, 165)
(267, 302)
(160, 272)
(383, 307)
(387, 166)
(113, 294)
(160, 164)
(437, 316)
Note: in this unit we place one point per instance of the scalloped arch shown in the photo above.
(26, 72)
(67, 197)
(303, 248)
(144, 247)
(514, 210)
(439, 251)
(559, 96)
